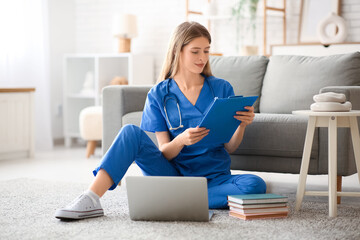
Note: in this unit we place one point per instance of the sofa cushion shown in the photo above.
(291, 82)
(261, 163)
(132, 118)
(135, 119)
(245, 74)
(277, 135)
(268, 135)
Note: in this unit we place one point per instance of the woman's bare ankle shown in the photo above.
(101, 183)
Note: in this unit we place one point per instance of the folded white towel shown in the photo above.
(330, 97)
(331, 107)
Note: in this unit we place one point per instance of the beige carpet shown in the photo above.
(27, 209)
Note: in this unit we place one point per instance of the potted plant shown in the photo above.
(246, 9)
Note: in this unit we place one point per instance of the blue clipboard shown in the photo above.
(220, 118)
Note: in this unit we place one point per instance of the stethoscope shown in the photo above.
(170, 96)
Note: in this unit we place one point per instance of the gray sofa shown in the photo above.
(274, 141)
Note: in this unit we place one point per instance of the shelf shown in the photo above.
(315, 49)
(81, 96)
(313, 43)
(74, 134)
(98, 55)
(85, 75)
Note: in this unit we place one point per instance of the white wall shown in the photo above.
(158, 18)
(61, 15)
(351, 13)
(90, 20)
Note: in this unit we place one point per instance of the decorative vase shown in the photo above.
(338, 33)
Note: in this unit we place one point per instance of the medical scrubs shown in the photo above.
(210, 161)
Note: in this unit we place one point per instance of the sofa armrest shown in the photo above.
(118, 101)
(346, 160)
(352, 94)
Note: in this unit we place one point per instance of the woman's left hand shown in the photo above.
(246, 118)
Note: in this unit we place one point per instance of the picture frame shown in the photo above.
(311, 13)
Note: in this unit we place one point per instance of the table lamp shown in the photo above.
(124, 28)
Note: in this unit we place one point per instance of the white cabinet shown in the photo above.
(85, 75)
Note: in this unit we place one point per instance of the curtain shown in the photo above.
(24, 58)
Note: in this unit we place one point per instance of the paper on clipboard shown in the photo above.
(220, 118)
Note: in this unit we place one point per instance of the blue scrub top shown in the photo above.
(195, 160)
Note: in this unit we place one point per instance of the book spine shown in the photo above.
(250, 217)
(260, 211)
(254, 206)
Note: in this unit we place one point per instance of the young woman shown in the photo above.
(173, 110)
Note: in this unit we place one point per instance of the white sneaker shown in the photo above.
(82, 207)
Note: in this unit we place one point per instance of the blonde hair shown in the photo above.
(182, 35)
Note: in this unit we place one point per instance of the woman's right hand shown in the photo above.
(193, 135)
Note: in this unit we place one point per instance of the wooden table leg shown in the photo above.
(355, 142)
(90, 148)
(332, 171)
(305, 161)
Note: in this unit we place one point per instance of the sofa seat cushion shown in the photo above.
(132, 118)
(245, 74)
(291, 82)
(135, 119)
(278, 135)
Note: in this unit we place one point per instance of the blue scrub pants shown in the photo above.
(133, 144)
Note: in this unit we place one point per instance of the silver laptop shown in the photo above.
(168, 198)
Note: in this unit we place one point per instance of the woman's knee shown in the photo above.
(251, 184)
(130, 128)
(128, 133)
(260, 184)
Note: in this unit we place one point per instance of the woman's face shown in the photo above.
(195, 55)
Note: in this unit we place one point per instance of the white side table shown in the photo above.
(331, 120)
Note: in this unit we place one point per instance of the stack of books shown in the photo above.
(258, 206)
